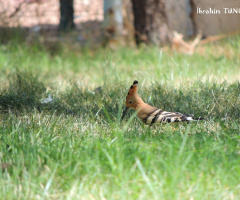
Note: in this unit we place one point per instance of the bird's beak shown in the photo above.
(124, 113)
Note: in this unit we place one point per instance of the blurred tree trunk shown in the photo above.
(113, 22)
(150, 22)
(66, 15)
(118, 23)
(128, 27)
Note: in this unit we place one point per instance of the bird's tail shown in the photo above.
(192, 118)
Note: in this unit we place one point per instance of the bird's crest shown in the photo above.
(133, 89)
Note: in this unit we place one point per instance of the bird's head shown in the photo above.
(132, 98)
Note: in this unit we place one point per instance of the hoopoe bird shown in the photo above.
(151, 115)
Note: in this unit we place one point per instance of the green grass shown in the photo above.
(77, 148)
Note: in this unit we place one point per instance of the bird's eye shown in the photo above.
(130, 101)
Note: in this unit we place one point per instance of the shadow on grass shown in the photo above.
(22, 92)
(207, 99)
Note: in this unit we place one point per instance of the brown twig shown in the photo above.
(17, 9)
(186, 47)
(217, 37)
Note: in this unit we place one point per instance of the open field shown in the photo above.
(75, 147)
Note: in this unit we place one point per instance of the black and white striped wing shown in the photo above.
(160, 116)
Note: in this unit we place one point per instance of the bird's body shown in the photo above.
(151, 115)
